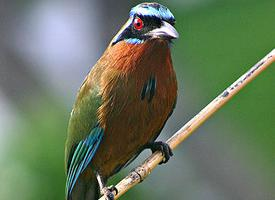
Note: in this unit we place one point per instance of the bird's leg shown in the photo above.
(106, 191)
(163, 147)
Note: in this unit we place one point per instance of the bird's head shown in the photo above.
(147, 21)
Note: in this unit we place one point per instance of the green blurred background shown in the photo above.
(47, 47)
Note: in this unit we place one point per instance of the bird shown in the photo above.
(123, 103)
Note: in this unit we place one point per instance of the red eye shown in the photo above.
(138, 24)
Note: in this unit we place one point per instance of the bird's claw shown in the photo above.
(164, 148)
(108, 192)
(113, 188)
(109, 195)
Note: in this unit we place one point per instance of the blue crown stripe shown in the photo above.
(152, 9)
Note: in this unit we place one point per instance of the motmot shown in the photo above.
(123, 103)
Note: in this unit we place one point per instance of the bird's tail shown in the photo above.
(85, 190)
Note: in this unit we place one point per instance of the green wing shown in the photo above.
(84, 133)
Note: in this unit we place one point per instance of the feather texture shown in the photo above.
(153, 10)
(82, 157)
(111, 97)
(129, 122)
(122, 104)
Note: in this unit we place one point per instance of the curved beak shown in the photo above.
(165, 31)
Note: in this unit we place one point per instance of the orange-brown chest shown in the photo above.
(139, 93)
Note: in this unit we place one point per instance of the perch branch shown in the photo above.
(142, 171)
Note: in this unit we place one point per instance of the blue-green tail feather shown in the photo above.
(82, 157)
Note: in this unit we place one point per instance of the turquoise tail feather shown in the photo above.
(81, 158)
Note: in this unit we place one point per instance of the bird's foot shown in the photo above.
(113, 188)
(163, 147)
(108, 192)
